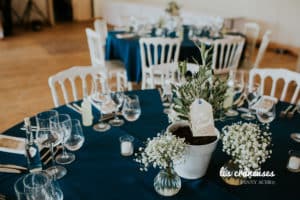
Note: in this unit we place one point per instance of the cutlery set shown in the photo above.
(289, 112)
(2, 197)
(45, 158)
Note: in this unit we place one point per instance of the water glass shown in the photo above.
(131, 108)
(76, 139)
(126, 145)
(252, 96)
(20, 189)
(100, 96)
(266, 115)
(118, 99)
(40, 186)
(64, 127)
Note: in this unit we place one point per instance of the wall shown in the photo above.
(281, 16)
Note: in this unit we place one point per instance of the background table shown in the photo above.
(100, 172)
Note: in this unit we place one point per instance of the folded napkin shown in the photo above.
(12, 144)
(125, 35)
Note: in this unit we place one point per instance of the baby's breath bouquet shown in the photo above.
(248, 144)
(161, 151)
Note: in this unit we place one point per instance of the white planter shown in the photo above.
(197, 158)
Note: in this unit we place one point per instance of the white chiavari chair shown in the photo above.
(69, 77)
(289, 78)
(97, 55)
(156, 54)
(262, 48)
(227, 53)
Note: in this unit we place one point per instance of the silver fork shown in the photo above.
(292, 112)
(284, 112)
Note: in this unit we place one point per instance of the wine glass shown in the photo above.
(76, 139)
(47, 135)
(64, 127)
(266, 114)
(39, 185)
(235, 83)
(252, 96)
(100, 96)
(118, 99)
(131, 108)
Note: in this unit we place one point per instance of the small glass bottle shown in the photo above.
(32, 149)
(87, 116)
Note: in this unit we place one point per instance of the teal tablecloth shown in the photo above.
(100, 172)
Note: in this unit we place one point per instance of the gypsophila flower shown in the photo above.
(248, 144)
(161, 151)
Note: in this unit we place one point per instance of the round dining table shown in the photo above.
(101, 172)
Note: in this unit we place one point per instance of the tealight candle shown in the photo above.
(126, 143)
(294, 163)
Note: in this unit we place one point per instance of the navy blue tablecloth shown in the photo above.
(128, 51)
(100, 172)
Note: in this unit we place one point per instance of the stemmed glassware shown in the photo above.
(76, 139)
(236, 85)
(101, 97)
(266, 115)
(48, 135)
(252, 96)
(63, 126)
(131, 108)
(39, 185)
(118, 99)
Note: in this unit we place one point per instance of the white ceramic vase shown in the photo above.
(197, 157)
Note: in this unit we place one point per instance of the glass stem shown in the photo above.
(52, 154)
(64, 153)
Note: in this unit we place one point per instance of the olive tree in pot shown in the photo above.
(196, 103)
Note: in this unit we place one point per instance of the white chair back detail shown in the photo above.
(101, 28)
(276, 74)
(227, 53)
(95, 47)
(70, 75)
(262, 48)
(157, 51)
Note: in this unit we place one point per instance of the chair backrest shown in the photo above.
(70, 75)
(96, 48)
(101, 28)
(157, 50)
(251, 31)
(262, 48)
(277, 74)
(227, 53)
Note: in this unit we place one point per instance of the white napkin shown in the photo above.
(12, 144)
(125, 35)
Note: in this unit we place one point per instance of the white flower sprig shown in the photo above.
(161, 151)
(248, 145)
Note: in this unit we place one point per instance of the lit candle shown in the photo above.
(294, 162)
(126, 145)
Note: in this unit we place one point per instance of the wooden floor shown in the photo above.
(28, 58)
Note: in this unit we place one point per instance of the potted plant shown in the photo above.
(196, 103)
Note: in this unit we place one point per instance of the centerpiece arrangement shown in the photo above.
(197, 100)
(163, 151)
(249, 147)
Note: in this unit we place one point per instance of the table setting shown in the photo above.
(183, 142)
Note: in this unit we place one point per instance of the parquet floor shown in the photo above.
(28, 58)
